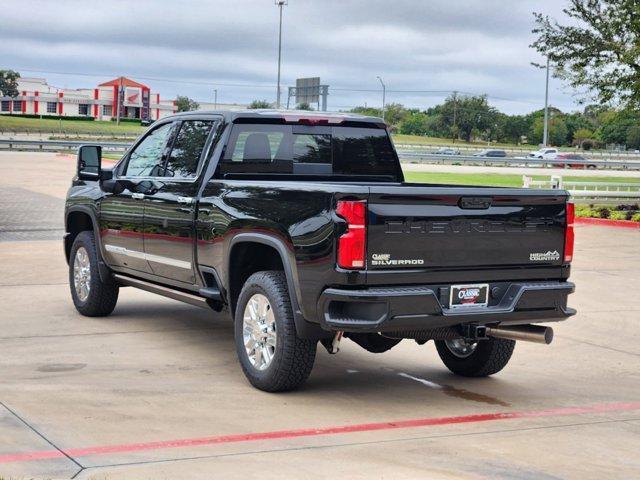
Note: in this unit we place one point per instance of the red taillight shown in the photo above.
(569, 235)
(352, 244)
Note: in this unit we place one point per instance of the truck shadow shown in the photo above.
(352, 374)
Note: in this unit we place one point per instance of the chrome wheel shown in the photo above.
(82, 274)
(460, 347)
(259, 331)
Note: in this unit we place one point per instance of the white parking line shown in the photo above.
(421, 380)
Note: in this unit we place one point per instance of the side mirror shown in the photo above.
(89, 162)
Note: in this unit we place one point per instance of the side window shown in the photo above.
(187, 148)
(146, 160)
(256, 145)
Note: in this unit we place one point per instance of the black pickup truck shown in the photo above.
(300, 225)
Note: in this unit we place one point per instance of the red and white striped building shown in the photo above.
(136, 100)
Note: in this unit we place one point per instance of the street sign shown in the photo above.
(308, 90)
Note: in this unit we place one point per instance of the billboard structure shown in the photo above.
(309, 90)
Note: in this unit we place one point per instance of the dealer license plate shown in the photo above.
(462, 296)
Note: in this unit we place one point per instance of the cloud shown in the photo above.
(472, 46)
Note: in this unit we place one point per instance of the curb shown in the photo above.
(606, 222)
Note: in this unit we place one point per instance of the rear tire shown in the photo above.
(91, 296)
(272, 335)
(486, 358)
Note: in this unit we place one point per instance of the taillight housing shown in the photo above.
(352, 244)
(569, 236)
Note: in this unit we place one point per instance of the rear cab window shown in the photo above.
(310, 150)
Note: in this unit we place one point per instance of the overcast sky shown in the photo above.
(184, 47)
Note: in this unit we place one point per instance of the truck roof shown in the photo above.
(285, 115)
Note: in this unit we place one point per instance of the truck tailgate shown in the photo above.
(413, 226)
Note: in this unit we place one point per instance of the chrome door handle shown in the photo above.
(185, 200)
(137, 196)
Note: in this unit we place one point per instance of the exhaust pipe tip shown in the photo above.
(526, 333)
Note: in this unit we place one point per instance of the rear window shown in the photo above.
(310, 150)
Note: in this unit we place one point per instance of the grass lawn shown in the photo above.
(50, 125)
(499, 180)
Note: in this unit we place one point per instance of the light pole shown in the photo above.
(545, 135)
(384, 92)
(280, 4)
(215, 98)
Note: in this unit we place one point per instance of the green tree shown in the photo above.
(576, 121)
(304, 106)
(598, 48)
(516, 127)
(415, 124)
(9, 83)
(582, 134)
(633, 137)
(557, 131)
(464, 115)
(368, 111)
(185, 104)
(395, 114)
(259, 104)
(615, 126)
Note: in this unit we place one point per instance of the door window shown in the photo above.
(146, 159)
(187, 148)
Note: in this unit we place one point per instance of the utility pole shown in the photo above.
(545, 135)
(280, 4)
(384, 93)
(215, 98)
(455, 115)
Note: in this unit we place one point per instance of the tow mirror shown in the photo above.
(89, 162)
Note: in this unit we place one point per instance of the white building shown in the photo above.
(136, 100)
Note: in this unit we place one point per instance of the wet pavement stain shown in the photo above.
(460, 393)
(472, 396)
(61, 367)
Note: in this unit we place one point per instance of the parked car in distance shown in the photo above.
(544, 153)
(491, 152)
(447, 151)
(572, 156)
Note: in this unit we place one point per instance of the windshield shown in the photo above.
(310, 150)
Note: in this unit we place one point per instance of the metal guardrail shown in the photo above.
(411, 156)
(57, 145)
(513, 161)
(590, 192)
(520, 151)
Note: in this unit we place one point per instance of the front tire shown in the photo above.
(479, 359)
(272, 356)
(91, 296)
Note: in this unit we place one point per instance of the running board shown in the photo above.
(162, 290)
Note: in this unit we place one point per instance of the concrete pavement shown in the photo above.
(155, 389)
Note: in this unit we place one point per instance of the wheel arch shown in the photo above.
(78, 219)
(250, 248)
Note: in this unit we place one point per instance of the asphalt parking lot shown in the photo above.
(155, 390)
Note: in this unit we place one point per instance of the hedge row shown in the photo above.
(50, 117)
(127, 120)
(620, 212)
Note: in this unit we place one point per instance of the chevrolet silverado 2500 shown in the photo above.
(300, 225)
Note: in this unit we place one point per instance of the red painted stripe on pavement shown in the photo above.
(312, 432)
(607, 222)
